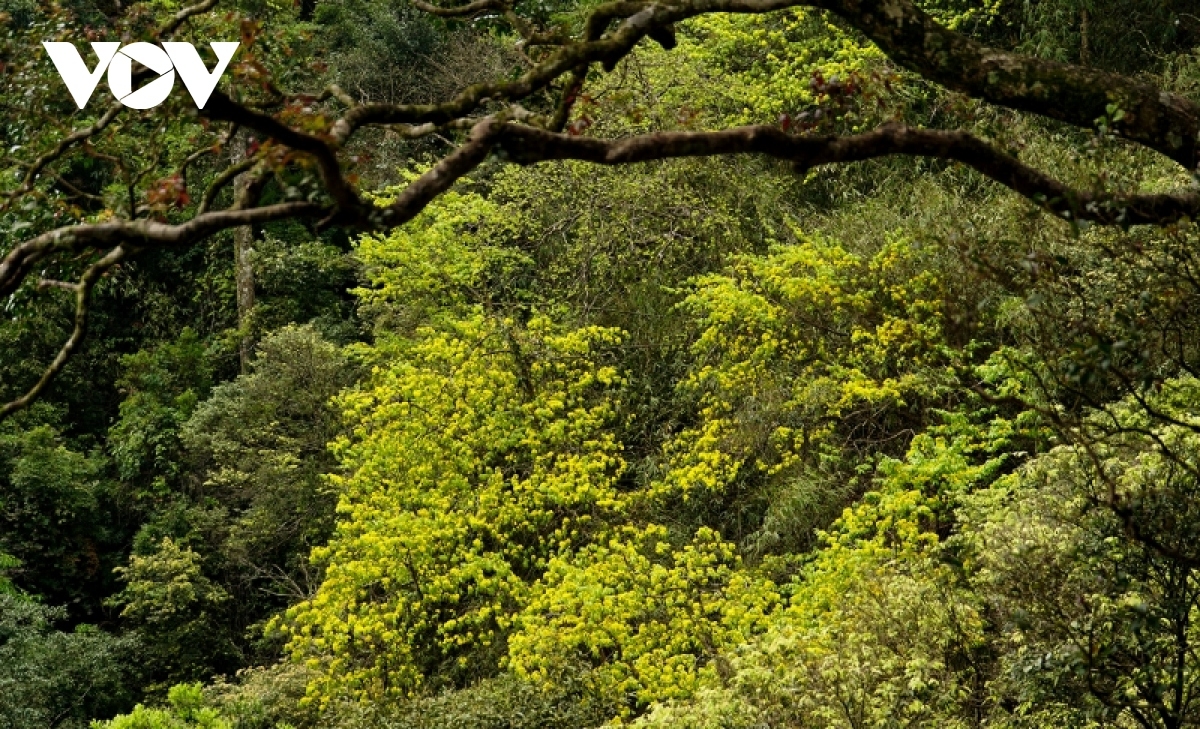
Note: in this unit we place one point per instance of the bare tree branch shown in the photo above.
(461, 11)
(140, 234)
(526, 144)
(1077, 95)
(83, 297)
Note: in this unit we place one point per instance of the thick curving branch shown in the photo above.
(16, 266)
(442, 176)
(608, 50)
(462, 11)
(526, 145)
(1077, 95)
(1156, 119)
(344, 195)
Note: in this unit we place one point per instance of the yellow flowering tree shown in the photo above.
(475, 458)
(802, 362)
(879, 629)
(648, 615)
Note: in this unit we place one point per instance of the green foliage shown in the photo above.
(500, 702)
(55, 678)
(1097, 621)
(176, 611)
(186, 711)
(248, 502)
(162, 388)
(303, 281)
(608, 246)
(53, 504)
(802, 359)
(7, 562)
(439, 266)
(362, 38)
(265, 697)
(877, 630)
(22, 12)
(771, 59)
(1117, 35)
(477, 453)
(684, 444)
(513, 463)
(258, 447)
(492, 513)
(649, 615)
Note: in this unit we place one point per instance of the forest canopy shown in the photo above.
(653, 363)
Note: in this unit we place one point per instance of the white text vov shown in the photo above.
(165, 61)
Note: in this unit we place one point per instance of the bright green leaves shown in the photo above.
(877, 630)
(797, 67)
(485, 469)
(649, 615)
(885, 655)
(767, 61)
(186, 710)
(177, 610)
(438, 265)
(476, 456)
(488, 516)
(799, 347)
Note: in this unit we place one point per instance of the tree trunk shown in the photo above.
(246, 192)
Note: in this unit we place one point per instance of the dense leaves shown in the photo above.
(51, 677)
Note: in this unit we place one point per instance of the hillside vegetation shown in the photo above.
(373, 397)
